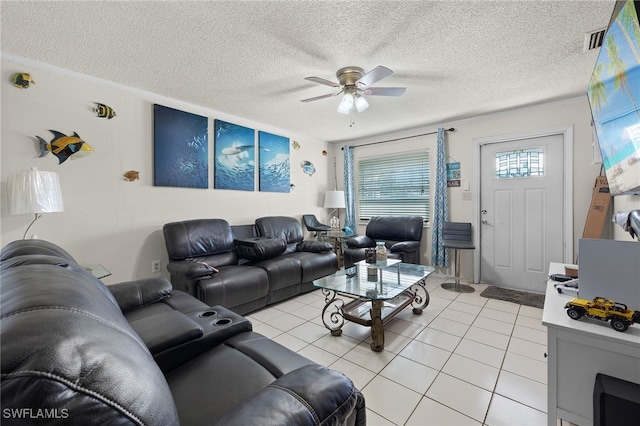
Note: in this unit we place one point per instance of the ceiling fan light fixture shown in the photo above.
(361, 103)
(346, 104)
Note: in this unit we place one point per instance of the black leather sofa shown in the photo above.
(76, 352)
(401, 236)
(245, 267)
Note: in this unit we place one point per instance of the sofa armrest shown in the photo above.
(166, 330)
(314, 246)
(310, 395)
(131, 295)
(190, 269)
(405, 246)
(361, 241)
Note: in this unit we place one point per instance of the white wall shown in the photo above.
(108, 220)
(573, 112)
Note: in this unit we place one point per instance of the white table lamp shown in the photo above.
(334, 200)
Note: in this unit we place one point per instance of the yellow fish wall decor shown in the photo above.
(132, 175)
(104, 111)
(22, 80)
(63, 146)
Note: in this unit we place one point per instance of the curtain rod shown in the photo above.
(451, 129)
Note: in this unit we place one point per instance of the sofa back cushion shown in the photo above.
(283, 227)
(68, 351)
(395, 228)
(200, 238)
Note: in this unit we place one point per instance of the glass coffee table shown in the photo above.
(378, 292)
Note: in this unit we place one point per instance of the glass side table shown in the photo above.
(97, 270)
(337, 239)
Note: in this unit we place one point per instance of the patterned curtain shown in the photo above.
(439, 254)
(349, 189)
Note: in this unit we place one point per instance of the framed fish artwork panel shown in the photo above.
(275, 170)
(235, 153)
(181, 148)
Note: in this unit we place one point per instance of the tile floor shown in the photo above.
(466, 360)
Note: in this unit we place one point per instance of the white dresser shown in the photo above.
(578, 350)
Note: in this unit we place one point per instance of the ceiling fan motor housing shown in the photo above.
(348, 76)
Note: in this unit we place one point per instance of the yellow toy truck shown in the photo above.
(605, 310)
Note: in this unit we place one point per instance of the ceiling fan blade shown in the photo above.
(376, 74)
(385, 91)
(318, 98)
(323, 81)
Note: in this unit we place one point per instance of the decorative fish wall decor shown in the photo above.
(22, 80)
(132, 175)
(104, 111)
(295, 145)
(308, 167)
(63, 146)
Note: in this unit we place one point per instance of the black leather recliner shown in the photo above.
(75, 351)
(245, 267)
(400, 234)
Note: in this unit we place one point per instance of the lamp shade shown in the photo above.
(334, 199)
(33, 191)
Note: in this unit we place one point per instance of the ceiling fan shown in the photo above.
(355, 84)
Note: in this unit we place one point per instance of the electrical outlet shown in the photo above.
(156, 265)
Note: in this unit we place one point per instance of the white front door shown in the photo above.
(522, 215)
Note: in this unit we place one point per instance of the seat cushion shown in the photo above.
(233, 285)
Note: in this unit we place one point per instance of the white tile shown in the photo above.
(498, 315)
(530, 334)
(440, 339)
(493, 325)
(410, 374)
(530, 322)
(481, 352)
(307, 312)
(491, 338)
(393, 342)
(428, 355)
(502, 305)
(363, 356)
(474, 372)
(360, 376)
(266, 314)
(374, 419)
(390, 400)
(527, 348)
(318, 355)
(429, 412)
(457, 316)
(267, 331)
(289, 305)
(355, 330)
(473, 298)
(290, 342)
(522, 390)
(506, 412)
(285, 322)
(309, 332)
(465, 307)
(461, 396)
(337, 345)
(309, 298)
(423, 319)
(405, 328)
(448, 326)
(530, 311)
(526, 367)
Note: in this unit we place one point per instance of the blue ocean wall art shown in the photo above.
(181, 148)
(235, 155)
(275, 169)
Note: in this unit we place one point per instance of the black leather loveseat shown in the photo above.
(400, 234)
(76, 352)
(245, 267)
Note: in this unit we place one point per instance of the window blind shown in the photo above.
(396, 185)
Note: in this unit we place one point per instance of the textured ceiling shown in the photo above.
(457, 59)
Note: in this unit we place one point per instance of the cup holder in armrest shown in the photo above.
(222, 321)
(208, 313)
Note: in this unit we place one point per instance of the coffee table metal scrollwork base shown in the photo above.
(373, 308)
